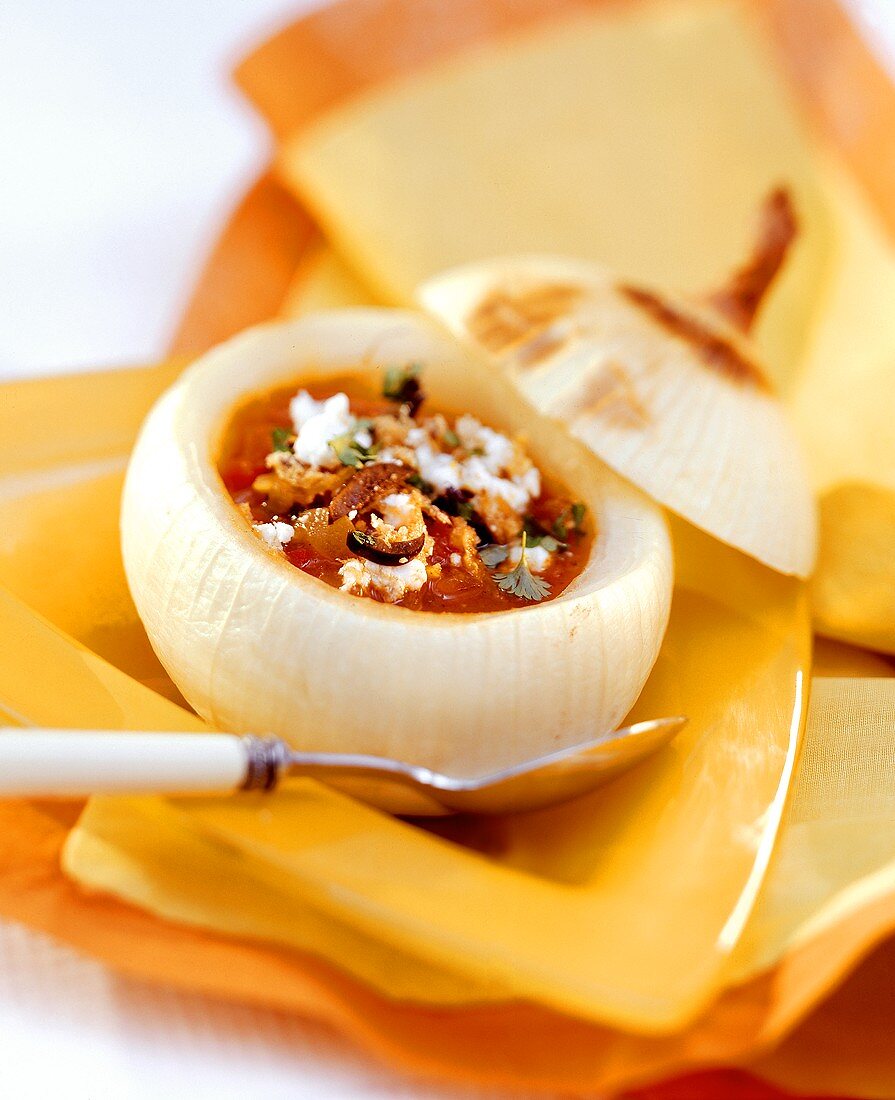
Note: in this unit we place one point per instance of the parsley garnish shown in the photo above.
(537, 535)
(420, 483)
(548, 542)
(457, 502)
(351, 453)
(522, 582)
(281, 438)
(570, 520)
(402, 384)
(493, 555)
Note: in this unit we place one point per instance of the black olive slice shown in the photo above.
(396, 553)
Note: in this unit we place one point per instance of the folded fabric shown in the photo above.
(828, 897)
(736, 653)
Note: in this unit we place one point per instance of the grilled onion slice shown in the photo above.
(257, 645)
(665, 390)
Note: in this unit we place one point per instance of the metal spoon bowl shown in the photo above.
(531, 785)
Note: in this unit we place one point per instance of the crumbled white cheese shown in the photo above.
(456, 559)
(276, 535)
(391, 582)
(516, 491)
(318, 423)
(497, 450)
(484, 472)
(536, 557)
(439, 469)
(387, 456)
(400, 510)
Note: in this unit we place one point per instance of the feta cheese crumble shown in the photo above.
(399, 510)
(495, 468)
(536, 557)
(318, 423)
(391, 582)
(276, 535)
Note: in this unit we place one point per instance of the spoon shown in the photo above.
(79, 763)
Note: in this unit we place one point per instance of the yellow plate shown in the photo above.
(621, 907)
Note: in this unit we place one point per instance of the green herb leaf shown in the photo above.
(537, 535)
(420, 483)
(351, 453)
(548, 542)
(571, 519)
(522, 582)
(281, 438)
(451, 439)
(493, 555)
(402, 384)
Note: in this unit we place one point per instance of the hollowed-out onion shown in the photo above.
(663, 389)
(257, 645)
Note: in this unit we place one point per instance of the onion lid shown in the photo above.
(665, 390)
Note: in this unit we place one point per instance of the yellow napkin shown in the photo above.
(735, 659)
(736, 652)
(802, 920)
(646, 140)
(813, 903)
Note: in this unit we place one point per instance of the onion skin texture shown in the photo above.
(256, 645)
(663, 389)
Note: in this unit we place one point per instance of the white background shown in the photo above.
(122, 148)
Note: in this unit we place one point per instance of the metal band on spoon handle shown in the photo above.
(266, 758)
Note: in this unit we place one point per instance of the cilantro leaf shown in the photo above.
(493, 555)
(420, 483)
(351, 453)
(570, 520)
(402, 384)
(281, 438)
(522, 582)
(537, 535)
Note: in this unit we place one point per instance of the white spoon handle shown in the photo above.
(79, 763)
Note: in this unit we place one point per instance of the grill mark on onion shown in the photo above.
(717, 352)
